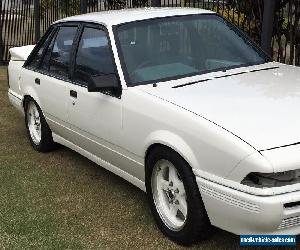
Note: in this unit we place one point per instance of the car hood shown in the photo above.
(260, 104)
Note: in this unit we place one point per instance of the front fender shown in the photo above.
(173, 141)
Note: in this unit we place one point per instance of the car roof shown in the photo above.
(114, 17)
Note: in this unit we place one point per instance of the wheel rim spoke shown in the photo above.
(182, 206)
(34, 123)
(169, 195)
(163, 184)
(180, 188)
(173, 210)
(172, 174)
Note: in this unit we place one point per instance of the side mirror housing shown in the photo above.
(108, 84)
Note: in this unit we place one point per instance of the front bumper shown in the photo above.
(242, 213)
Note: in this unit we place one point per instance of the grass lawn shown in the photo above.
(61, 200)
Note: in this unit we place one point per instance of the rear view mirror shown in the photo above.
(109, 83)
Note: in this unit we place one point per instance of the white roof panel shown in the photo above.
(113, 17)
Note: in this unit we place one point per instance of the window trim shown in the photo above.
(50, 32)
(54, 35)
(60, 77)
(70, 56)
(54, 27)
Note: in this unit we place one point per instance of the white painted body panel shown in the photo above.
(20, 53)
(243, 213)
(14, 73)
(255, 106)
(284, 158)
(220, 127)
(195, 138)
(51, 97)
(115, 17)
(95, 122)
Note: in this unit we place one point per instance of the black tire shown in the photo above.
(197, 225)
(46, 143)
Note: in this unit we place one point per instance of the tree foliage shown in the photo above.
(286, 28)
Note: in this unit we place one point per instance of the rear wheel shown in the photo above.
(174, 197)
(38, 131)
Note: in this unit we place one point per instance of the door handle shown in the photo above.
(37, 81)
(73, 93)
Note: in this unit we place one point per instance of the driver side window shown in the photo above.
(94, 56)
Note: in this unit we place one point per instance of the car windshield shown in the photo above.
(169, 48)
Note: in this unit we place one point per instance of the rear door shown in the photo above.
(50, 75)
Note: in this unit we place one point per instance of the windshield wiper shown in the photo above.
(190, 83)
(255, 70)
(224, 76)
(224, 69)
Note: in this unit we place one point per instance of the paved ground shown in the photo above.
(61, 200)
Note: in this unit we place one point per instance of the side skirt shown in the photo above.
(133, 180)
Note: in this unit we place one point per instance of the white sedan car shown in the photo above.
(180, 103)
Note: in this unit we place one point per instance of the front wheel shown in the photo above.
(38, 131)
(174, 197)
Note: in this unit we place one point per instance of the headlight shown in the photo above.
(273, 179)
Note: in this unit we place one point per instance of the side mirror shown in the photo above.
(109, 83)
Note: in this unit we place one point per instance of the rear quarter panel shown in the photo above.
(14, 76)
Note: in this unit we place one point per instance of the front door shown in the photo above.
(95, 118)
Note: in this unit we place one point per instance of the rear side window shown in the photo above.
(94, 56)
(35, 60)
(47, 55)
(57, 58)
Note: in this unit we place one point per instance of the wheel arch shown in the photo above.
(25, 98)
(30, 92)
(173, 142)
(36, 99)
